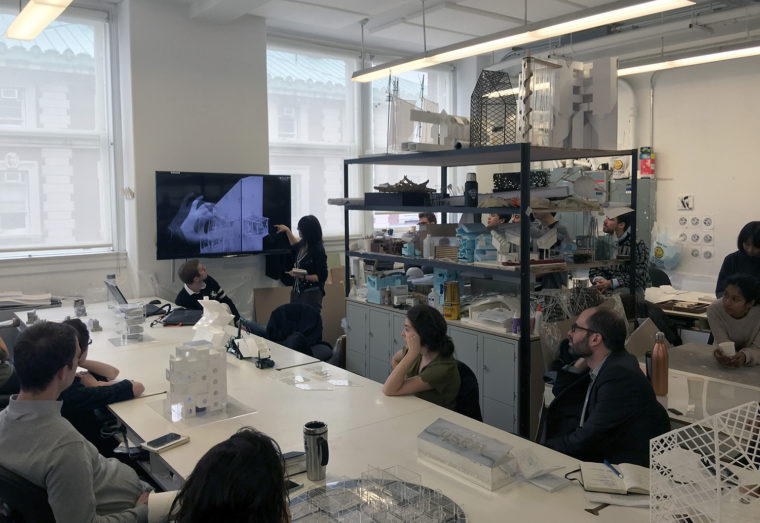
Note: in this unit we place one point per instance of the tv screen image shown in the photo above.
(216, 214)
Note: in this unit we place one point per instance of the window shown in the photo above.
(391, 126)
(312, 109)
(56, 169)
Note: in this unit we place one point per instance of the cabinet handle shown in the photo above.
(485, 368)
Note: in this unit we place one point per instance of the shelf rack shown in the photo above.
(520, 153)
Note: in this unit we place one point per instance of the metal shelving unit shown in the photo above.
(524, 154)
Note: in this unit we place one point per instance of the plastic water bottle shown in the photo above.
(432, 299)
(111, 300)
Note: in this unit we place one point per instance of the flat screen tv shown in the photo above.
(216, 214)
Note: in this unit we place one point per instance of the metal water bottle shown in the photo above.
(316, 448)
(660, 365)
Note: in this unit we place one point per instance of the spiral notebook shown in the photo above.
(597, 477)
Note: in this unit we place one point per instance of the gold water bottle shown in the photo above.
(451, 301)
(660, 365)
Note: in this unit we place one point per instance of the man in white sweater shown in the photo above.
(41, 446)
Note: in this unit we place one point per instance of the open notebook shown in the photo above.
(597, 477)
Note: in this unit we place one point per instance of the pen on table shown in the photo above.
(613, 469)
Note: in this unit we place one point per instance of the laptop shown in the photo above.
(150, 309)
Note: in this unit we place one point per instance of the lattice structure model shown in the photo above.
(493, 110)
(197, 377)
(708, 471)
(381, 495)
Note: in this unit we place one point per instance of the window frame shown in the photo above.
(111, 153)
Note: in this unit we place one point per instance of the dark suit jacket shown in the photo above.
(621, 417)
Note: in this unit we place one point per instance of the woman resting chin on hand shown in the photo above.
(425, 366)
(736, 317)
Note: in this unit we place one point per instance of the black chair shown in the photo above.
(25, 501)
(468, 399)
(659, 277)
(299, 327)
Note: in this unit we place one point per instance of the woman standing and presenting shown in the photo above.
(746, 260)
(736, 317)
(426, 365)
(308, 288)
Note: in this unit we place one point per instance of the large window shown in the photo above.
(312, 112)
(56, 174)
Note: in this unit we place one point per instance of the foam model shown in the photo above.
(197, 377)
(210, 328)
(468, 454)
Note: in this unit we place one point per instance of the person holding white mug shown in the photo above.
(735, 318)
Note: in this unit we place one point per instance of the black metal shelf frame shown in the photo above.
(524, 154)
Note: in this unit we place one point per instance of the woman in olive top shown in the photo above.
(736, 317)
(426, 366)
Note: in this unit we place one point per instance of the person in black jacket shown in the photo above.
(85, 400)
(308, 288)
(604, 407)
(745, 260)
(198, 285)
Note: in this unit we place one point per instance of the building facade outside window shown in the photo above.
(56, 168)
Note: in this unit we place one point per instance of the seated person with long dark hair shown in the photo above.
(426, 366)
(736, 317)
(240, 479)
(746, 259)
(85, 401)
(309, 251)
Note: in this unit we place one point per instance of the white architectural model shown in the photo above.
(210, 328)
(568, 104)
(197, 377)
(708, 471)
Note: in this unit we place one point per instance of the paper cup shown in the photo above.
(727, 348)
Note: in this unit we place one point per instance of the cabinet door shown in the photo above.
(466, 348)
(356, 338)
(379, 338)
(379, 370)
(398, 326)
(500, 369)
(500, 415)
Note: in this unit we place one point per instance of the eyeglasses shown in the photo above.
(574, 327)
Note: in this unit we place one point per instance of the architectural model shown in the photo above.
(197, 377)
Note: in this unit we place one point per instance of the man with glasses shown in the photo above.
(604, 406)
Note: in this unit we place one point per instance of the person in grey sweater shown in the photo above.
(736, 317)
(45, 449)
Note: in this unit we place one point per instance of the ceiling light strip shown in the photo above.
(34, 18)
(590, 18)
(692, 60)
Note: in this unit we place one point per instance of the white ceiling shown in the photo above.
(396, 26)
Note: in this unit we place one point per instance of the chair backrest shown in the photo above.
(26, 501)
(468, 399)
(659, 277)
(338, 357)
(295, 317)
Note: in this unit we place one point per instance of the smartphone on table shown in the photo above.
(165, 442)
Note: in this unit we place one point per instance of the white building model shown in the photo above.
(197, 377)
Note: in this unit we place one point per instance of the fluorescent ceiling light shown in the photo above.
(36, 16)
(693, 60)
(594, 17)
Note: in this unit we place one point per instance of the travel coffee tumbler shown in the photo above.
(317, 451)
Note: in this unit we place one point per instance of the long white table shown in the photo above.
(365, 427)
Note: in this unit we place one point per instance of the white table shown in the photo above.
(365, 428)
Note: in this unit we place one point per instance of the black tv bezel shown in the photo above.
(279, 250)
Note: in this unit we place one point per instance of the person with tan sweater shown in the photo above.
(736, 317)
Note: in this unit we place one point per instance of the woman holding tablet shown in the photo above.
(310, 270)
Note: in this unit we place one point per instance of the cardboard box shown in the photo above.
(267, 299)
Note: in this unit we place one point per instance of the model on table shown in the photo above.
(746, 259)
(240, 479)
(309, 287)
(425, 366)
(736, 317)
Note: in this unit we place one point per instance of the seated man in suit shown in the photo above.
(604, 406)
(45, 449)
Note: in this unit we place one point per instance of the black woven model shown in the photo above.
(493, 110)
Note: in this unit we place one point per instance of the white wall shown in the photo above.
(706, 136)
(194, 100)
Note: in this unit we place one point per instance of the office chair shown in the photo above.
(26, 502)
(468, 402)
(299, 327)
(659, 277)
